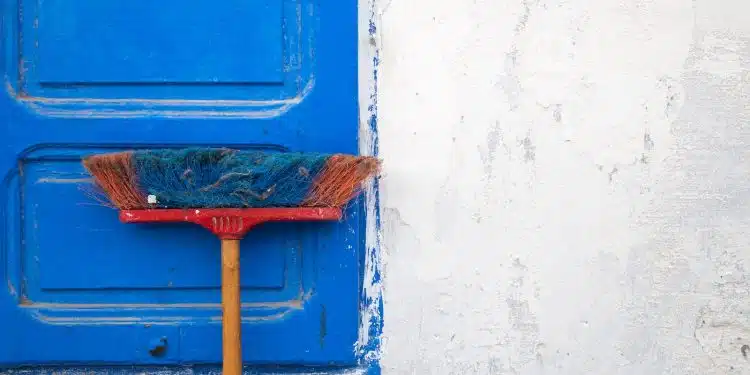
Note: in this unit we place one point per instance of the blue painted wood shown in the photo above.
(86, 76)
(138, 41)
(191, 370)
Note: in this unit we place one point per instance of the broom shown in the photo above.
(228, 192)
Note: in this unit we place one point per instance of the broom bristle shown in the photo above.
(115, 175)
(341, 180)
(225, 178)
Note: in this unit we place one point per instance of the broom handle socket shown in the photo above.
(230, 306)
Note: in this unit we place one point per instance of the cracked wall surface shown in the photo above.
(566, 186)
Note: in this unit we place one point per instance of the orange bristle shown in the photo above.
(341, 179)
(115, 175)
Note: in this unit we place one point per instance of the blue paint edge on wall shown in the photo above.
(369, 352)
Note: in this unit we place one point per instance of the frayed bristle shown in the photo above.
(341, 180)
(115, 175)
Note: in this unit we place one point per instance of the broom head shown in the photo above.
(228, 178)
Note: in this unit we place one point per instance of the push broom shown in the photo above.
(228, 192)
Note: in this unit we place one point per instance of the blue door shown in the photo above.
(84, 76)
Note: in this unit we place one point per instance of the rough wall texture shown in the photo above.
(567, 186)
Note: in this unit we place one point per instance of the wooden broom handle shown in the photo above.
(230, 306)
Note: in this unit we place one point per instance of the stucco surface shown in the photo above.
(566, 186)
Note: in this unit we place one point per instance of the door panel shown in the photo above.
(243, 50)
(85, 76)
(120, 41)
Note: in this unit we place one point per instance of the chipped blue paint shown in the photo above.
(372, 302)
(75, 275)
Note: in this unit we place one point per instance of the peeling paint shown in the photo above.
(368, 344)
(11, 288)
(170, 108)
(52, 180)
(568, 193)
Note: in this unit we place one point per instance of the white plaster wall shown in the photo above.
(566, 186)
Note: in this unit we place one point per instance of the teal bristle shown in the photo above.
(226, 178)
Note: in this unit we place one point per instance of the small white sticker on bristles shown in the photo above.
(151, 199)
